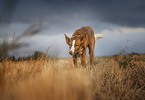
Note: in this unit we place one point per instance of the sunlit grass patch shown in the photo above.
(56, 79)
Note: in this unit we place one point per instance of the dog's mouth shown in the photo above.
(77, 53)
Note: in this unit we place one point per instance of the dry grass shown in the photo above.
(57, 79)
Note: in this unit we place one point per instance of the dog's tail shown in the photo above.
(98, 36)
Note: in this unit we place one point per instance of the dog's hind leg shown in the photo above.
(91, 53)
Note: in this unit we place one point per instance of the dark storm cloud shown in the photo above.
(7, 8)
(121, 12)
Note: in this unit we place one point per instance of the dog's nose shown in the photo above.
(70, 52)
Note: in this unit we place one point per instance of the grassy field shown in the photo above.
(111, 78)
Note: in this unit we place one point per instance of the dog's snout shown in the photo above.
(70, 52)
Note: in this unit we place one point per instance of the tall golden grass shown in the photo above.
(57, 79)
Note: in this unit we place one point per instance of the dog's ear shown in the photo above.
(67, 39)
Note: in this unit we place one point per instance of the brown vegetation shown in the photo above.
(57, 79)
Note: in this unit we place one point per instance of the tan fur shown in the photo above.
(84, 38)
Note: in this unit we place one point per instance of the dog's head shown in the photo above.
(76, 44)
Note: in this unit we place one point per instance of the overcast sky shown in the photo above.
(121, 21)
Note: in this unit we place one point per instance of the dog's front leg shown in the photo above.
(75, 61)
(83, 57)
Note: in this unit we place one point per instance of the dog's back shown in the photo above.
(85, 30)
(90, 39)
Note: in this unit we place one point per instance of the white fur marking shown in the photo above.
(73, 46)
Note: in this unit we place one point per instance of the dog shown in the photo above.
(78, 43)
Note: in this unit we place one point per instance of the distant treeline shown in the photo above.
(132, 53)
(37, 55)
